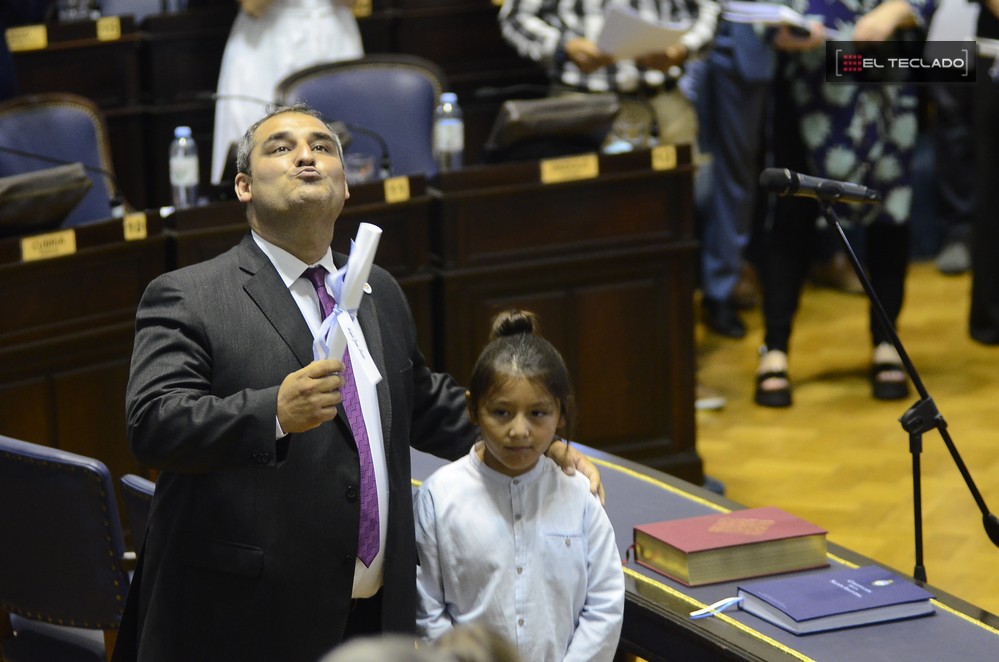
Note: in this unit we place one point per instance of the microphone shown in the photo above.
(785, 182)
(116, 201)
(343, 129)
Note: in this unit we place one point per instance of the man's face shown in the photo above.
(294, 165)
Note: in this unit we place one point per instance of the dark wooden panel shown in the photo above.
(66, 340)
(105, 71)
(467, 39)
(23, 411)
(182, 53)
(89, 403)
(70, 391)
(65, 295)
(129, 153)
(609, 263)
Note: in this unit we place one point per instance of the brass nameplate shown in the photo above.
(664, 157)
(134, 226)
(51, 244)
(362, 8)
(27, 38)
(396, 189)
(570, 169)
(109, 28)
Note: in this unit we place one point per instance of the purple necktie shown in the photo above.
(367, 537)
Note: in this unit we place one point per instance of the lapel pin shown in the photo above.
(366, 288)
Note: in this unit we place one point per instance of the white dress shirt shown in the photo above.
(367, 580)
(533, 556)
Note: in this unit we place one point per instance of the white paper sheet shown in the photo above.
(626, 35)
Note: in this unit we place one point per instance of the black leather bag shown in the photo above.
(40, 200)
(554, 126)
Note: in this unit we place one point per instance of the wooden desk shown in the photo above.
(66, 339)
(609, 264)
(657, 623)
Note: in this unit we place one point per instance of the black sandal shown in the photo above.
(883, 389)
(776, 397)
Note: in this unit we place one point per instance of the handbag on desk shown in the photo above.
(554, 126)
(41, 200)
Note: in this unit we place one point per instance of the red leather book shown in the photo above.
(729, 546)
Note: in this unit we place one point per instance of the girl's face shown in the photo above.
(518, 421)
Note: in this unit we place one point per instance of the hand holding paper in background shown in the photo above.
(626, 35)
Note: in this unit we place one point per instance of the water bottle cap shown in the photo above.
(182, 132)
(449, 97)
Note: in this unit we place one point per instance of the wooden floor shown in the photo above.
(841, 459)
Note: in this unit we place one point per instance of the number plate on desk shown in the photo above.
(664, 157)
(570, 169)
(396, 189)
(109, 28)
(134, 226)
(27, 38)
(50, 244)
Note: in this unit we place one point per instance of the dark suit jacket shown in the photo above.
(251, 542)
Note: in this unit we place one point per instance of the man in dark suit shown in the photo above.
(252, 544)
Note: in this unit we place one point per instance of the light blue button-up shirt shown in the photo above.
(533, 556)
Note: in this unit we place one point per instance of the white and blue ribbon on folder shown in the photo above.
(339, 330)
(715, 608)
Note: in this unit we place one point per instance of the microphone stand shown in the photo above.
(921, 417)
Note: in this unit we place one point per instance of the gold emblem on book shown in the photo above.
(748, 527)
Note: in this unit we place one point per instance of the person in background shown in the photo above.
(983, 322)
(504, 538)
(731, 87)
(269, 40)
(14, 13)
(562, 34)
(844, 131)
(255, 548)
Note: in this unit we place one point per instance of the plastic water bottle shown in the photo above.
(449, 133)
(184, 168)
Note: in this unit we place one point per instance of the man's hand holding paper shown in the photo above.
(626, 35)
(309, 397)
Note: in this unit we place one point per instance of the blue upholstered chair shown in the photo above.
(392, 96)
(63, 577)
(137, 497)
(42, 130)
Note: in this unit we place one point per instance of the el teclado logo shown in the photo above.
(900, 62)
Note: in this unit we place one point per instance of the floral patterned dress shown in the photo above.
(862, 133)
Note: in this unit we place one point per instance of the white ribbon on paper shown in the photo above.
(339, 330)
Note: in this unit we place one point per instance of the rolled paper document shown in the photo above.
(348, 295)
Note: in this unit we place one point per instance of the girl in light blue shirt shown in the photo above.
(504, 537)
